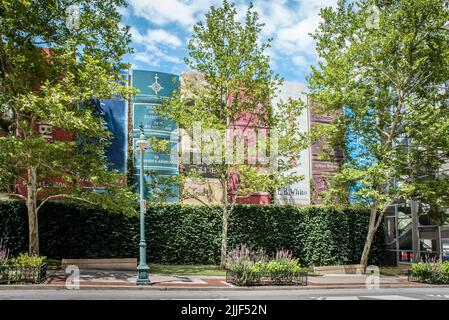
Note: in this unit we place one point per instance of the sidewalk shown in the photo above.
(339, 280)
(96, 279)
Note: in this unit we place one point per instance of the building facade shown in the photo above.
(298, 193)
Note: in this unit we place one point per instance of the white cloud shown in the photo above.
(162, 36)
(153, 37)
(154, 43)
(123, 11)
(300, 61)
(145, 58)
(297, 36)
(154, 57)
(288, 22)
(274, 14)
(161, 12)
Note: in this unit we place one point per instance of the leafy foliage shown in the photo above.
(387, 86)
(183, 234)
(434, 272)
(24, 260)
(236, 82)
(248, 267)
(23, 268)
(52, 74)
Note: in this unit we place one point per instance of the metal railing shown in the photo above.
(245, 278)
(11, 274)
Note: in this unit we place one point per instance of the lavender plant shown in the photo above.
(250, 267)
(243, 258)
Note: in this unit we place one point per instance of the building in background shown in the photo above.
(115, 114)
(298, 193)
(410, 233)
(252, 129)
(209, 190)
(123, 119)
(321, 169)
(154, 88)
(243, 133)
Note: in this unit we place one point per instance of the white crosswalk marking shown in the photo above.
(391, 297)
(446, 296)
(384, 297)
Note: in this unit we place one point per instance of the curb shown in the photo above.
(181, 288)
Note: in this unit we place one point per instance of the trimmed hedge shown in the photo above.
(183, 234)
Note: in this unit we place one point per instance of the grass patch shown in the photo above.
(310, 271)
(391, 271)
(179, 269)
(196, 270)
(167, 269)
(185, 269)
(53, 264)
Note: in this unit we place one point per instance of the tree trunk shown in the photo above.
(224, 238)
(31, 203)
(369, 238)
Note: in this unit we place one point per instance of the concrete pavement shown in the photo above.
(125, 280)
(312, 294)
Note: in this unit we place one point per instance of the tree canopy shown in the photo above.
(384, 72)
(51, 72)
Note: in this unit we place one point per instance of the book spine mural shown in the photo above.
(154, 88)
(299, 192)
(322, 169)
(115, 114)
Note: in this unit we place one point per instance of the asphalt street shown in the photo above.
(309, 294)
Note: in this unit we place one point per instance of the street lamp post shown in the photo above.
(142, 269)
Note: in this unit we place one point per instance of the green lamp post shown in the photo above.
(142, 269)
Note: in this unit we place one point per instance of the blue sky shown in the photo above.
(162, 28)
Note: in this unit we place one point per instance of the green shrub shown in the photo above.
(24, 260)
(247, 267)
(21, 268)
(242, 258)
(183, 234)
(283, 266)
(419, 270)
(431, 272)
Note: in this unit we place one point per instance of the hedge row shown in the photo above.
(191, 234)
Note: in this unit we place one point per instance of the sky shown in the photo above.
(161, 30)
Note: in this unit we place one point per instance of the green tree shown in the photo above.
(234, 81)
(57, 86)
(383, 69)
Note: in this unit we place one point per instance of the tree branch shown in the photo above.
(16, 195)
(63, 196)
(384, 73)
(192, 196)
(387, 205)
(395, 122)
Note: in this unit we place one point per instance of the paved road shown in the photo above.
(310, 294)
